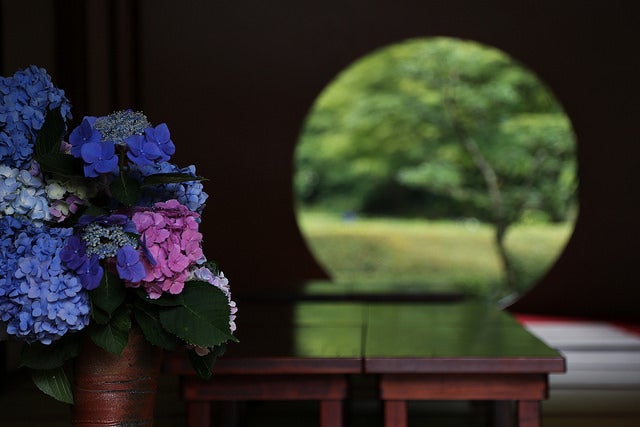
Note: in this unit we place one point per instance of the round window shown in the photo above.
(436, 165)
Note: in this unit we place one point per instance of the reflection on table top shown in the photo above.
(384, 337)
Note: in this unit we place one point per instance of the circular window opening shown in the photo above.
(436, 165)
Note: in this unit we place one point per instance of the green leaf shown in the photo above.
(169, 178)
(53, 382)
(110, 294)
(203, 319)
(99, 316)
(149, 321)
(125, 189)
(113, 336)
(40, 356)
(60, 164)
(166, 300)
(203, 365)
(47, 148)
(50, 135)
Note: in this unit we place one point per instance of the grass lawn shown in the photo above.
(414, 256)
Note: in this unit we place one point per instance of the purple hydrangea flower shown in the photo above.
(90, 272)
(86, 266)
(129, 266)
(74, 254)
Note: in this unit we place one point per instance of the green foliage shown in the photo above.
(46, 363)
(391, 135)
(47, 357)
(47, 148)
(148, 318)
(125, 189)
(395, 255)
(50, 135)
(110, 294)
(439, 128)
(114, 335)
(53, 382)
(203, 317)
(203, 365)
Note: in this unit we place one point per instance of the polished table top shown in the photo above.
(457, 337)
(378, 337)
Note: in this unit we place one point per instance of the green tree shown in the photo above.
(440, 122)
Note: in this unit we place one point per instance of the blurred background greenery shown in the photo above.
(434, 165)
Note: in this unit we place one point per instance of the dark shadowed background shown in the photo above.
(234, 81)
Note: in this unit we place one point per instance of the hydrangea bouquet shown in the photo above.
(99, 232)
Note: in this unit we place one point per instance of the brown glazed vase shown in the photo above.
(111, 390)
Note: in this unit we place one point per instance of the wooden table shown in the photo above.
(286, 352)
(466, 351)
(426, 351)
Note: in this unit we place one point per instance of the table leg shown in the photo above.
(395, 413)
(529, 413)
(503, 413)
(198, 414)
(331, 413)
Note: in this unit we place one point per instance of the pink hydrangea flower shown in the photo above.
(170, 232)
(61, 209)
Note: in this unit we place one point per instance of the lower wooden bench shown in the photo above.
(307, 359)
(329, 390)
(459, 352)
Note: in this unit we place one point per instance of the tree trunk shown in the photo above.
(500, 220)
(492, 184)
(507, 267)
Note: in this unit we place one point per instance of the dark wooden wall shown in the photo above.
(234, 81)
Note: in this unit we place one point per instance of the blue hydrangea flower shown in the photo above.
(99, 158)
(190, 194)
(40, 298)
(25, 99)
(100, 238)
(94, 140)
(99, 155)
(162, 138)
(83, 134)
(142, 152)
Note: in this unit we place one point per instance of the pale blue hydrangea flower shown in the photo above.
(120, 125)
(23, 194)
(41, 300)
